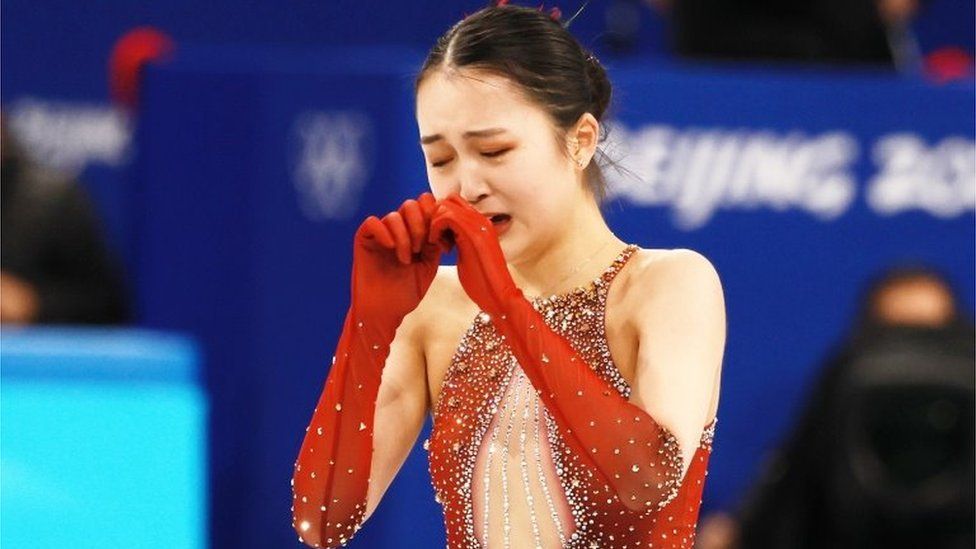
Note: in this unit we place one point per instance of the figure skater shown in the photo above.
(573, 378)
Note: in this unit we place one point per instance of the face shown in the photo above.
(485, 141)
(918, 301)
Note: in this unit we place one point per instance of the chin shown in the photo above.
(506, 248)
(509, 249)
(514, 249)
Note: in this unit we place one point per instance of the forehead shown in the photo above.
(451, 100)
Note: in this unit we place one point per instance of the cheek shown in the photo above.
(535, 208)
(525, 176)
(439, 187)
(531, 191)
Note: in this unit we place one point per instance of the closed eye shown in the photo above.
(493, 154)
(490, 154)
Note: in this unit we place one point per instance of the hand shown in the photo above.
(481, 263)
(393, 261)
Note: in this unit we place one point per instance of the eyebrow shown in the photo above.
(428, 139)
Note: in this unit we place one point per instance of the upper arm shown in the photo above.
(401, 407)
(681, 328)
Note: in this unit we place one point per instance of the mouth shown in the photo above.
(501, 222)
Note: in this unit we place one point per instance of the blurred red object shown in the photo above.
(130, 54)
(949, 64)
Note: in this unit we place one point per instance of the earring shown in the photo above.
(579, 161)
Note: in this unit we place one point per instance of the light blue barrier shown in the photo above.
(103, 439)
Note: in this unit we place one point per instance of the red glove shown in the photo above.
(393, 266)
(636, 457)
(393, 263)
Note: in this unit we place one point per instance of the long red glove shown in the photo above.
(393, 266)
(637, 458)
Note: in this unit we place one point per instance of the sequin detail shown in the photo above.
(552, 497)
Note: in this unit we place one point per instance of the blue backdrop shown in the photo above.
(54, 56)
(254, 167)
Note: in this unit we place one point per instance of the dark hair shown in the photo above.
(534, 50)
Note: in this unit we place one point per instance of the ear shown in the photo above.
(583, 138)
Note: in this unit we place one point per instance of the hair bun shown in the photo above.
(599, 85)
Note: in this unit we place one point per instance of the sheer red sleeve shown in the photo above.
(638, 458)
(392, 270)
(332, 472)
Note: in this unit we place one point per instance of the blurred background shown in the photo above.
(181, 182)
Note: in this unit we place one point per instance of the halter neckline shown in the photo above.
(609, 271)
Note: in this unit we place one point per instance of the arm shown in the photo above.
(401, 409)
(401, 405)
(392, 270)
(636, 456)
(681, 328)
(641, 459)
(331, 474)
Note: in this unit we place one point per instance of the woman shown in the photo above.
(580, 418)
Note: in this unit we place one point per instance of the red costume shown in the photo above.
(586, 469)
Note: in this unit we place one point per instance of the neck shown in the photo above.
(587, 244)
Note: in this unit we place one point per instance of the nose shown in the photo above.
(470, 185)
(473, 198)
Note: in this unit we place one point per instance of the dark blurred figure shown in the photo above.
(54, 263)
(826, 31)
(882, 455)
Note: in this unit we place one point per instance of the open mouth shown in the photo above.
(501, 222)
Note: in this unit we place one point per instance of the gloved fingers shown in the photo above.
(374, 230)
(447, 222)
(461, 208)
(413, 215)
(476, 239)
(456, 199)
(465, 213)
(431, 252)
(398, 228)
(441, 229)
(427, 204)
(466, 223)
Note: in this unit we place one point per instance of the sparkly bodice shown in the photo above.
(503, 471)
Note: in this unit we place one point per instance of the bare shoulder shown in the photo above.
(678, 260)
(671, 284)
(659, 272)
